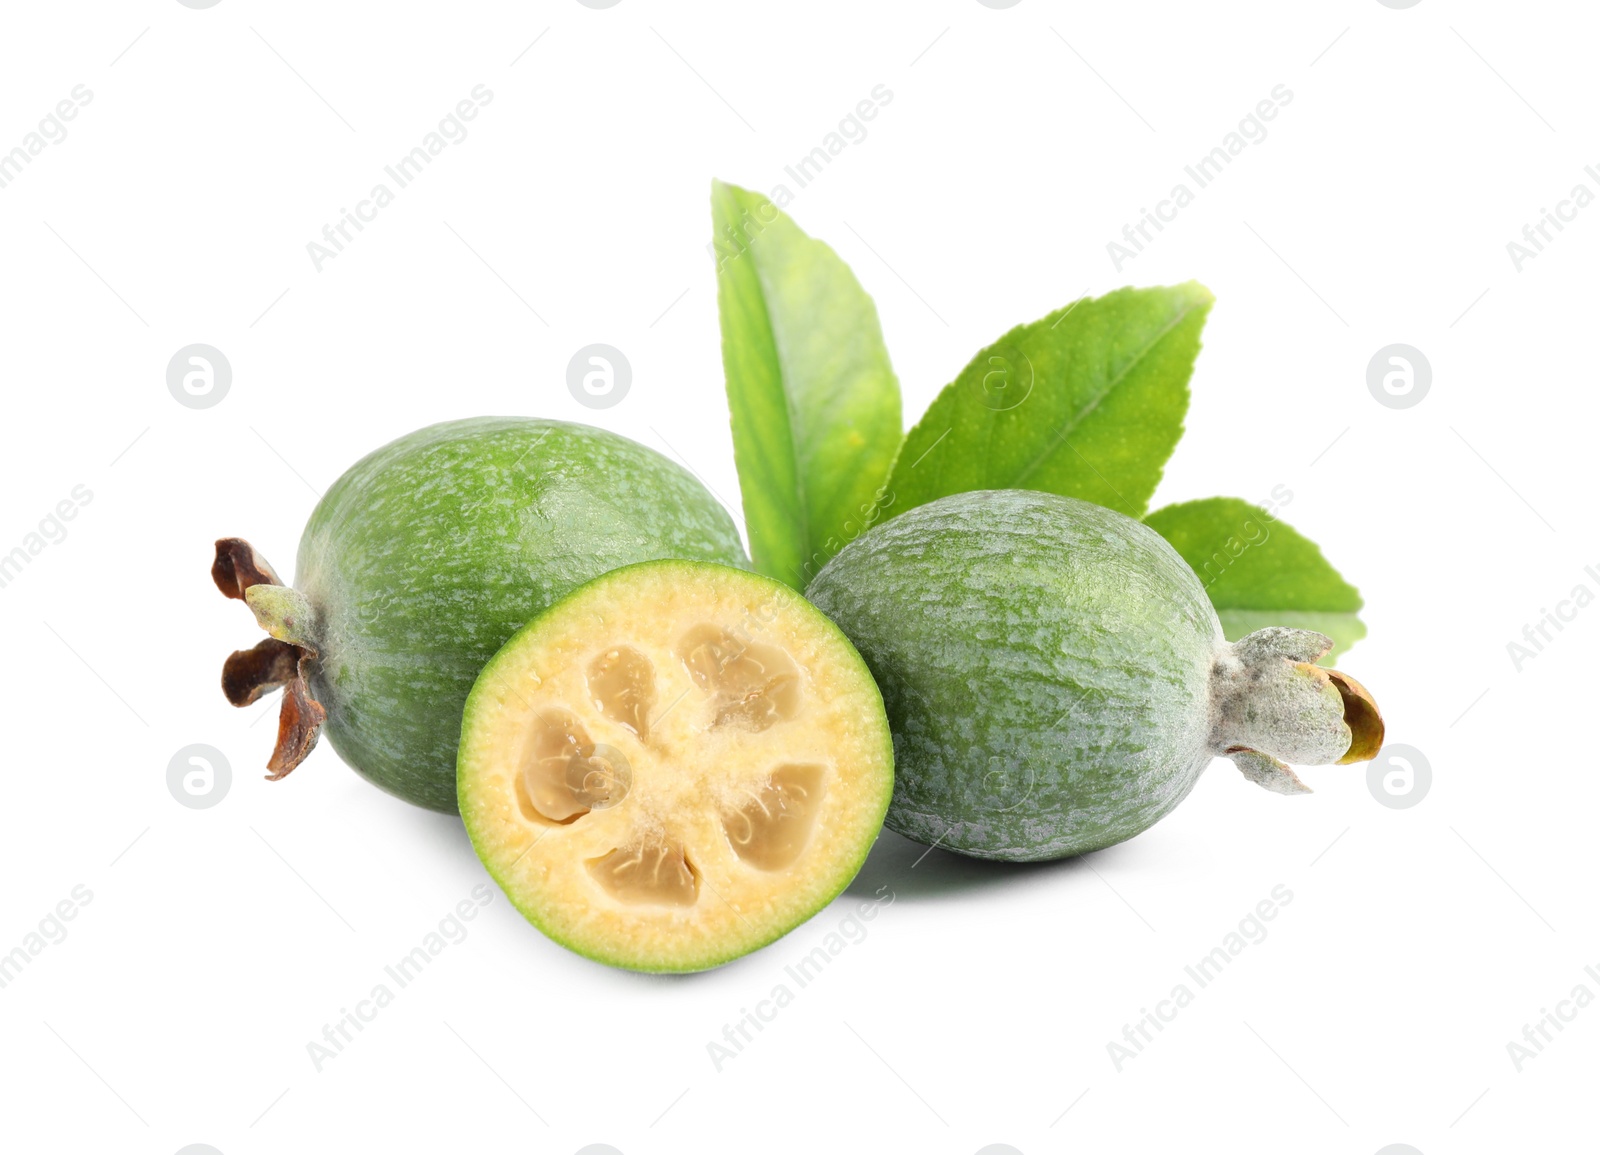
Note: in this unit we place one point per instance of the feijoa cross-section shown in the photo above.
(675, 765)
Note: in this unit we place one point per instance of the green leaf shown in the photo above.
(1259, 571)
(814, 401)
(1087, 402)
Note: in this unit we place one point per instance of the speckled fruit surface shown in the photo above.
(1057, 680)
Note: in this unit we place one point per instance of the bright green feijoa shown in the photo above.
(420, 562)
(1056, 678)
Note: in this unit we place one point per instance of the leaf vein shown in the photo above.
(1094, 404)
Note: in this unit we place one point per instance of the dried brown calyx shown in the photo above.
(277, 662)
(1272, 704)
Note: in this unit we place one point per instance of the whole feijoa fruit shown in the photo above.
(1057, 680)
(424, 558)
(674, 765)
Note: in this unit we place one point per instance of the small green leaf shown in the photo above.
(1258, 571)
(814, 402)
(1087, 402)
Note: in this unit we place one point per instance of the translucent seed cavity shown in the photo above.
(654, 872)
(757, 685)
(564, 774)
(622, 684)
(771, 830)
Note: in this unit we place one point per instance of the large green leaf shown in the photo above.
(1087, 402)
(814, 401)
(1259, 571)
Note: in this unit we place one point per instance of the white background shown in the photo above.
(978, 1010)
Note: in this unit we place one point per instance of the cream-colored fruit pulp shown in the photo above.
(669, 779)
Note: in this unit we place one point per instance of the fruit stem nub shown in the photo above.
(1272, 704)
(278, 662)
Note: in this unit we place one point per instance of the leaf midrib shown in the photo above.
(1078, 419)
(790, 416)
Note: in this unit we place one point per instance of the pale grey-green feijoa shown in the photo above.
(419, 563)
(1056, 679)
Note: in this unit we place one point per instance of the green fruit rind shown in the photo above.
(427, 554)
(1038, 669)
(1056, 678)
(478, 807)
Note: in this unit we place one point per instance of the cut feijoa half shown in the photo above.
(676, 764)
